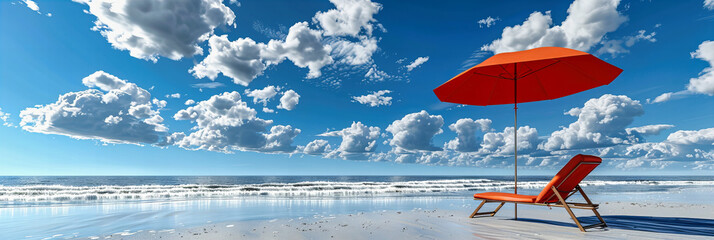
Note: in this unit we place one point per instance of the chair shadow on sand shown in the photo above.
(672, 225)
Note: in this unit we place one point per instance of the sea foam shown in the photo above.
(61, 193)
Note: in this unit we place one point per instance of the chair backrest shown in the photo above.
(570, 176)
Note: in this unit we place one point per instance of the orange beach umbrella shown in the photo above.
(527, 76)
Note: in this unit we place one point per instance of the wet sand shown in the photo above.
(626, 220)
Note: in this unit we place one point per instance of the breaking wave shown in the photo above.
(52, 193)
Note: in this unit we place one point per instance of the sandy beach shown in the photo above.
(626, 220)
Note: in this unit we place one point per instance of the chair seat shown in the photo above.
(510, 197)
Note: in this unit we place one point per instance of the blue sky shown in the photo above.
(342, 87)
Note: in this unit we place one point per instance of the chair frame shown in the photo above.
(561, 203)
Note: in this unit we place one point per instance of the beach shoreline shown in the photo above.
(626, 220)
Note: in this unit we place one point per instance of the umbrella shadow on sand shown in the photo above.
(671, 225)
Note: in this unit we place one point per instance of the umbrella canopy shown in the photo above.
(527, 76)
(540, 74)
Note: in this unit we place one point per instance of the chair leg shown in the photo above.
(567, 208)
(479, 207)
(476, 213)
(597, 214)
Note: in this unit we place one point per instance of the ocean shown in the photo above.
(59, 207)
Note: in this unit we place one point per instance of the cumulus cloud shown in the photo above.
(289, 100)
(334, 42)
(374, 99)
(487, 22)
(190, 102)
(357, 141)
(262, 95)
(501, 143)
(585, 26)
(693, 147)
(703, 137)
(601, 122)
(704, 83)
(466, 139)
(349, 18)
(649, 129)
(117, 112)
(317, 147)
(173, 95)
(414, 132)
(225, 123)
(709, 4)
(416, 63)
(244, 59)
(167, 28)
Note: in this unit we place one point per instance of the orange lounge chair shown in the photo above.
(562, 186)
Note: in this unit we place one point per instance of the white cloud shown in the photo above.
(694, 147)
(374, 74)
(414, 132)
(703, 137)
(289, 100)
(244, 59)
(709, 4)
(268, 110)
(416, 63)
(586, 24)
(374, 99)
(120, 113)
(704, 84)
(173, 95)
(466, 139)
(649, 129)
(487, 22)
(32, 5)
(670, 96)
(225, 123)
(190, 102)
(262, 95)
(317, 147)
(620, 46)
(112, 120)
(353, 53)
(501, 143)
(303, 47)
(159, 103)
(4, 117)
(150, 29)
(357, 141)
(601, 122)
(349, 19)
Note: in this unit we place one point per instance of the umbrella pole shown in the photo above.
(515, 135)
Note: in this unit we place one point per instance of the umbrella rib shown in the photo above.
(532, 72)
(581, 72)
(506, 71)
(541, 86)
(491, 76)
